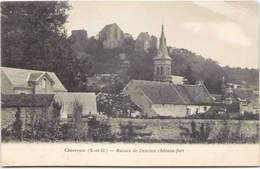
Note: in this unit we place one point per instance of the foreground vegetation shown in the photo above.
(94, 129)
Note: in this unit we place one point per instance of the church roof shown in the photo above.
(169, 93)
(195, 94)
(160, 92)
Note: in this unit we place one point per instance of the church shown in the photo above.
(166, 95)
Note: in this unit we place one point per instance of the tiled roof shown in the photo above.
(169, 93)
(19, 77)
(195, 94)
(26, 100)
(245, 94)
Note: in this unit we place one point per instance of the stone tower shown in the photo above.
(162, 62)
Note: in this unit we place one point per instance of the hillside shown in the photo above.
(185, 62)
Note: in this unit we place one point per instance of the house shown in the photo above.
(245, 99)
(248, 101)
(67, 100)
(16, 81)
(33, 108)
(22, 86)
(168, 99)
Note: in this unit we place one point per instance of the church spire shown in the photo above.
(162, 61)
(163, 46)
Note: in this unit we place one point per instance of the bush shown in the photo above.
(196, 136)
(50, 131)
(99, 130)
(226, 135)
(131, 132)
(6, 135)
(247, 116)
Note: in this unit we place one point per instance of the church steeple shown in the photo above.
(162, 62)
(163, 46)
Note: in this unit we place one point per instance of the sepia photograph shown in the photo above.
(129, 73)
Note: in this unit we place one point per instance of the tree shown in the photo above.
(76, 119)
(34, 37)
(115, 105)
(189, 75)
(33, 33)
(17, 125)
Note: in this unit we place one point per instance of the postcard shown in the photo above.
(130, 83)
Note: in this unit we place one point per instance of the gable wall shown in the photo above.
(39, 88)
(6, 85)
(197, 109)
(170, 110)
(138, 97)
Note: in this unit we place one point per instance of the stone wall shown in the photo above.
(111, 36)
(144, 42)
(169, 129)
(8, 115)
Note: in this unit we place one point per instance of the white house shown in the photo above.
(17, 81)
(26, 84)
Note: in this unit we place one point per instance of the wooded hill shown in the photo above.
(185, 63)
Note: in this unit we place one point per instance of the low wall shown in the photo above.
(169, 129)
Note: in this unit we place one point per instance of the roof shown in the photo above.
(245, 94)
(159, 92)
(169, 93)
(20, 77)
(67, 99)
(26, 100)
(195, 94)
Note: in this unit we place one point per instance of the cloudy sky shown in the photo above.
(227, 32)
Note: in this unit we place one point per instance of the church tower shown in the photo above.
(162, 62)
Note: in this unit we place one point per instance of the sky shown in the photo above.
(226, 32)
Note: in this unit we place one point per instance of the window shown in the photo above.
(197, 110)
(158, 71)
(44, 83)
(205, 108)
(168, 71)
(187, 111)
(162, 71)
